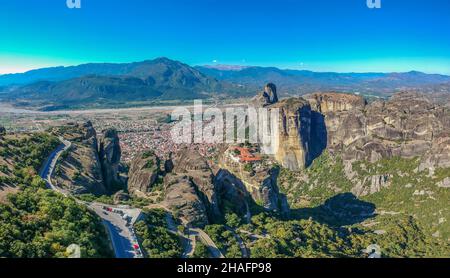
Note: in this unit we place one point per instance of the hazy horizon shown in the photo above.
(217, 65)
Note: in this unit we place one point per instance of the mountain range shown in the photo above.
(299, 82)
(162, 79)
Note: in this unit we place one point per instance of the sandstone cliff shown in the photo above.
(239, 181)
(335, 102)
(181, 197)
(188, 189)
(80, 169)
(91, 165)
(407, 125)
(294, 136)
(144, 172)
(110, 153)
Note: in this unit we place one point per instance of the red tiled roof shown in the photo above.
(246, 155)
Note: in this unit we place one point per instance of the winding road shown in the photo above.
(122, 236)
(190, 235)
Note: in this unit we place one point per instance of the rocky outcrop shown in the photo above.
(144, 172)
(407, 125)
(110, 153)
(80, 169)
(189, 162)
(294, 136)
(335, 102)
(445, 183)
(120, 196)
(371, 185)
(2, 130)
(237, 182)
(181, 197)
(189, 187)
(92, 164)
(267, 97)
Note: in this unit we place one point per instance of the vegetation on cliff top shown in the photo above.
(410, 216)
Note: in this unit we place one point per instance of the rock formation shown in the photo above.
(237, 183)
(120, 196)
(189, 188)
(181, 196)
(335, 102)
(267, 97)
(408, 125)
(189, 162)
(144, 172)
(2, 130)
(80, 170)
(92, 163)
(110, 153)
(294, 136)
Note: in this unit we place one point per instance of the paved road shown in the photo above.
(254, 236)
(241, 243)
(50, 164)
(123, 239)
(191, 233)
(215, 252)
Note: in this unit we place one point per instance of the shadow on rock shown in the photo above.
(340, 210)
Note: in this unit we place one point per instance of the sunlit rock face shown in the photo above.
(335, 102)
(292, 146)
(144, 172)
(236, 183)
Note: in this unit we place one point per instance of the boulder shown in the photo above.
(181, 197)
(120, 197)
(445, 183)
(144, 172)
(189, 162)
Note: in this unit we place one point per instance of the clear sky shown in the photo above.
(320, 35)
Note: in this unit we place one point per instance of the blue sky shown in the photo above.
(320, 35)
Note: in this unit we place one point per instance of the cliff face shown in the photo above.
(335, 102)
(110, 153)
(182, 197)
(144, 172)
(294, 136)
(407, 125)
(188, 181)
(91, 165)
(80, 170)
(190, 163)
(237, 183)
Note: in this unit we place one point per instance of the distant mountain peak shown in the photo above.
(226, 67)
